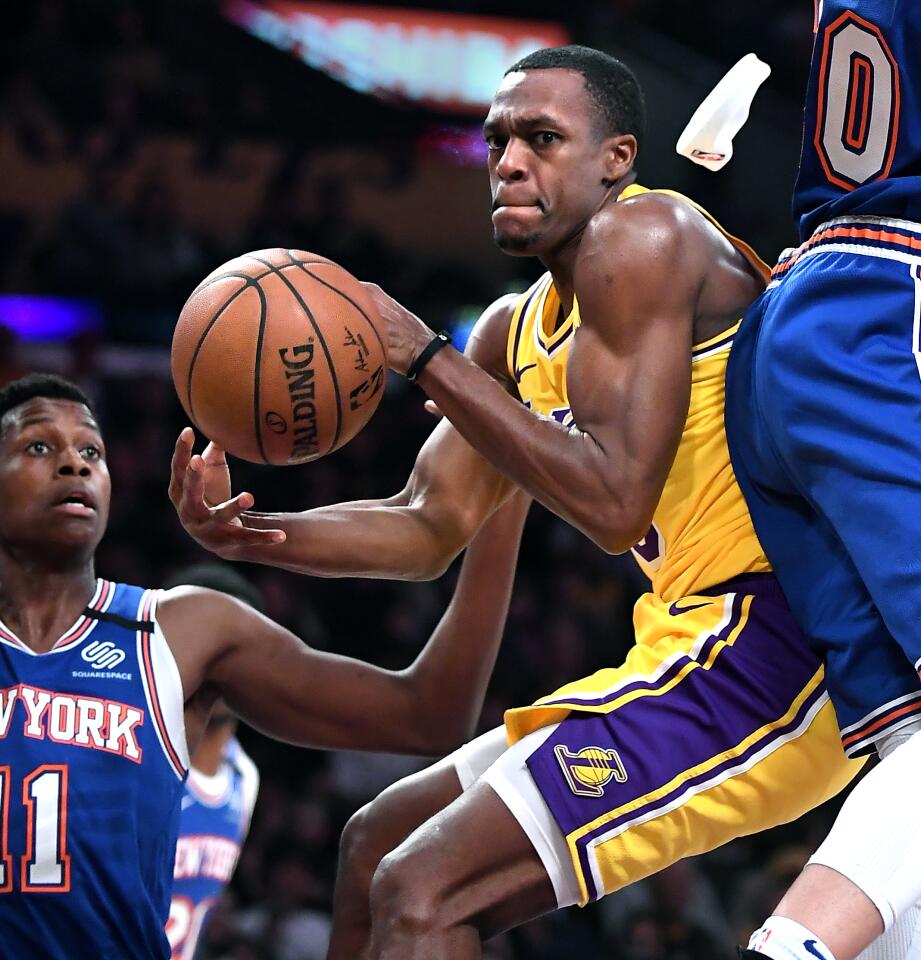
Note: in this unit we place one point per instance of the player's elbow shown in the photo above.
(444, 735)
(430, 564)
(617, 529)
(433, 736)
(443, 535)
(437, 719)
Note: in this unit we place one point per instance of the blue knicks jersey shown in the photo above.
(213, 824)
(92, 762)
(862, 124)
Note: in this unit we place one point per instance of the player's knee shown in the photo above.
(362, 844)
(403, 895)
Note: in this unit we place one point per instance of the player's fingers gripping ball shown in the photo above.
(277, 356)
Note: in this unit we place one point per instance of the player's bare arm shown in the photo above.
(413, 535)
(292, 692)
(638, 277)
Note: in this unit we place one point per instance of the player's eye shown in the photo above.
(493, 142)
(91, 452)
(544, 137)
(38, 446)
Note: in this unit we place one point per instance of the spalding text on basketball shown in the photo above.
(302, 390)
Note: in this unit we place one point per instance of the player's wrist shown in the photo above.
(425, 355)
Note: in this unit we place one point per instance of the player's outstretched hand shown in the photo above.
(199, 488)
(407, 336)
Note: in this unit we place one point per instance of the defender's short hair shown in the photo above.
(612, 85)
(47, 385)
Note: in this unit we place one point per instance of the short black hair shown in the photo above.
(220, 577)
(47, 385)
(612, 85)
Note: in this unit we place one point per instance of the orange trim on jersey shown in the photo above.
(865, 732)
(850, 16)
(6, 860)
(75, 634)
(12, 639)
(77, 631)
(63, 858)
(171, 754)
(848, 233)
(82, 627)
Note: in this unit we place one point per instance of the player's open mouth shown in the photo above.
(77, 503)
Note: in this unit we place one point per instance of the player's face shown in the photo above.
(547, 162)
(54, 482)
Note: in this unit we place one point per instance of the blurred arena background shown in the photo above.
(143, 143)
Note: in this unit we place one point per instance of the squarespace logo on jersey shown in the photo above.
(102, 656)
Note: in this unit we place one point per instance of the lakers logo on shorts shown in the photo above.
(590, 770)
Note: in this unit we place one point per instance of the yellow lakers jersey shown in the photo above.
(701, 534)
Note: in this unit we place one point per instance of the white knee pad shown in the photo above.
(876, 840)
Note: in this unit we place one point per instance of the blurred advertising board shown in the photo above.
(446, 61)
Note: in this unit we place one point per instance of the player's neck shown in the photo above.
(562, 262)
(39, 604)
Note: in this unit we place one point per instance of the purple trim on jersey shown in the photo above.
(719, 773)
(658, 737)
(521, 323)
(711, 347)
(647, 684)
(707, 713)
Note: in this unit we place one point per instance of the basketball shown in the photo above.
(278, 358)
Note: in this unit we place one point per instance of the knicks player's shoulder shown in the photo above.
(186, 611)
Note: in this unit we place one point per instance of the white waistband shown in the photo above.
(908, 226)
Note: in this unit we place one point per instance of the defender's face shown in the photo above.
(546, 160)
(54, 482)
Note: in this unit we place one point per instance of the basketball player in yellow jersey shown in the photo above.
(600, 392)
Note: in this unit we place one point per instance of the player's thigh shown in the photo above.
(391, 816)
(695, 740)
(870, 681)
(472, 863)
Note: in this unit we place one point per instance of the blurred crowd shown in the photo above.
(85, 86)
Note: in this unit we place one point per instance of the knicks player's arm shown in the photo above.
(639, 273)
(292, 692)
(412, 536)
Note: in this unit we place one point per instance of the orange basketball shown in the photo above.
(278, 358)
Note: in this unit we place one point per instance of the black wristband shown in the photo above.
(431, 348)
